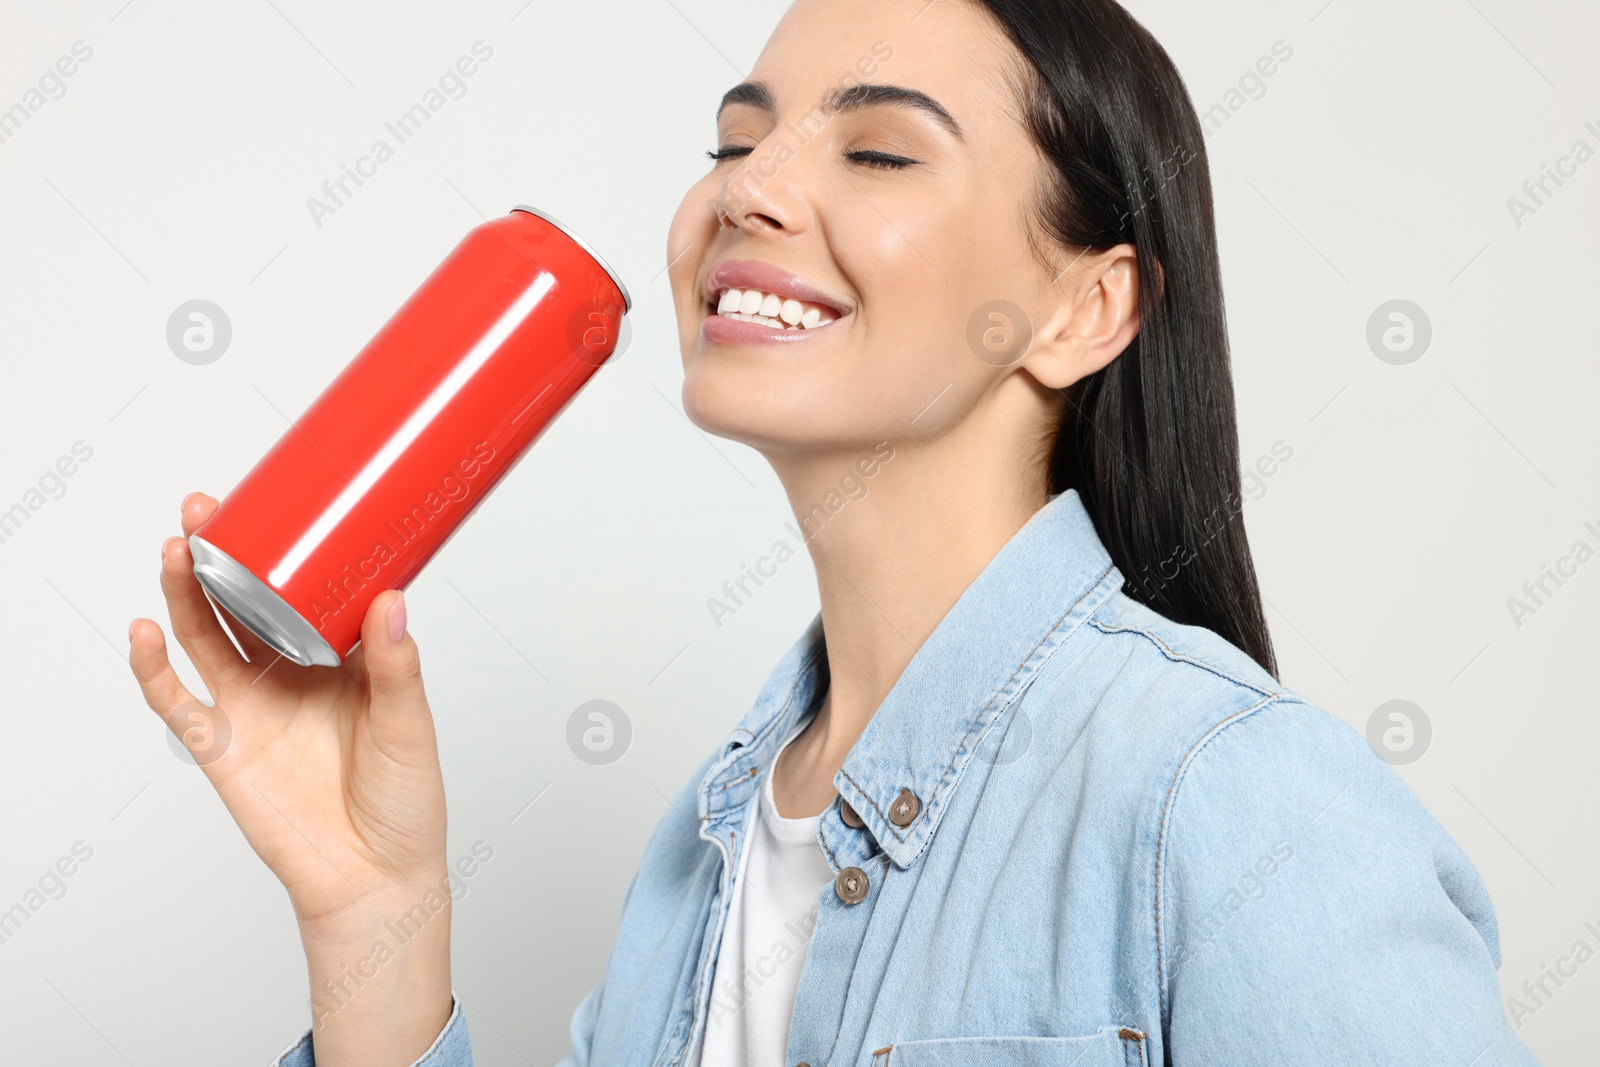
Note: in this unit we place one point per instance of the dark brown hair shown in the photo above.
(1150, 442)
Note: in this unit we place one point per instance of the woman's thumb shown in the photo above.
(394, 669)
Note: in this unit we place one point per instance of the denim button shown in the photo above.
(851, 885)
(904, 809)
(848, 814)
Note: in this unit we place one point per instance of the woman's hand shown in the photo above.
(332, 773)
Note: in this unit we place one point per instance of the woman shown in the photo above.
(1041, 798)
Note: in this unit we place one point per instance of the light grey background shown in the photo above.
(1375, 166)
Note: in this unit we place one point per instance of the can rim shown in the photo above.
(627, 300)
(259, 606)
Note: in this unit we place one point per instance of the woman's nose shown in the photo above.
(766, 194)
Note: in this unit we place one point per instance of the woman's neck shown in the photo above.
(893, 552)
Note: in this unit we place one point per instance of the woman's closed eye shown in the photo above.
(717, 155)
(872, 158)
(866, 157)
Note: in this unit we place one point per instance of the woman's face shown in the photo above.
(899, 222)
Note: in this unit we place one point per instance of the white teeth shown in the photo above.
(762, 319)
(771, 309)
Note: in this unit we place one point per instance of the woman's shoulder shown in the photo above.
(1178, 686)
(1262, 850)
(1193, 714)
(1161, 691)
(1216, 764)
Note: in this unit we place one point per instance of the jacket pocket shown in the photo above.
(1111, 1047)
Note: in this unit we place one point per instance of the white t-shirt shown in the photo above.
(769, 926)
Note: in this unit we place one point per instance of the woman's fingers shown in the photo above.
(399, 709)
(194, 623)
(196, 509)
(158, 682)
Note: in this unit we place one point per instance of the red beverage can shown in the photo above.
(409, 439)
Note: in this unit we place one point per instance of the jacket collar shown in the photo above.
(1038, 589)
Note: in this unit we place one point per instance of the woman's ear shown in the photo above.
(1095, 319)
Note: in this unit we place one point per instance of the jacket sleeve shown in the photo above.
(592, 1047)
(581, 1029)
(1309, 909)
(452, 1048)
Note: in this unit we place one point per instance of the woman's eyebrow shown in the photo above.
(856, 98)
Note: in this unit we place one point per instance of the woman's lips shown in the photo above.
(769, 278)
(741, 291)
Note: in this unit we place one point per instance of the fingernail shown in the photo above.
(166, 546)
(185, 505)
(397, 619)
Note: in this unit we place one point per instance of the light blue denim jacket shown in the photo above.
(1093, 837)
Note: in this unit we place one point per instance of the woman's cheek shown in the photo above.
(696, 218)
(899, 369)
(680, 236)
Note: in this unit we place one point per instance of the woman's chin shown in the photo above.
(765, 416)
(713, 402)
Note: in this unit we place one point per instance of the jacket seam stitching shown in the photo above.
(1181, 657)
(832, 857)
(305, 1039)
(1166, 822)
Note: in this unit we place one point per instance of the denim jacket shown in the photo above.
(1077, 833)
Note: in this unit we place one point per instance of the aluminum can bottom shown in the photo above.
(257, 605)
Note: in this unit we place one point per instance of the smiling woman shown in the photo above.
(1002, 801)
